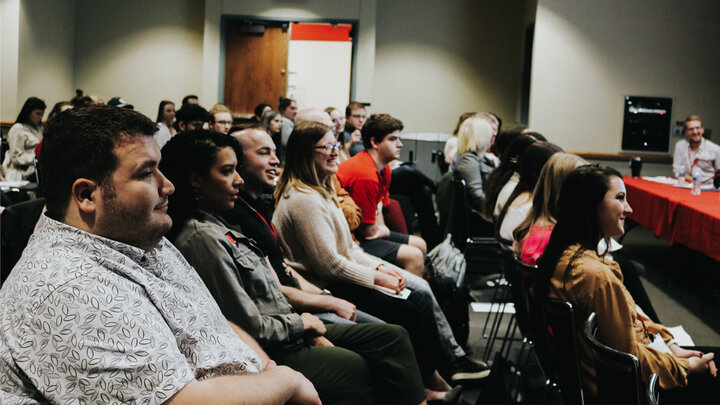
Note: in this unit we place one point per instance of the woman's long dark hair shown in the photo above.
(529, 167)
(188, 153)
(508, 165)
(31, 104)
(581, 194)
(161, 111)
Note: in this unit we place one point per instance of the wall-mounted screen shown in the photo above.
(646, 124)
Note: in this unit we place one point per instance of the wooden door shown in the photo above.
(255, 65)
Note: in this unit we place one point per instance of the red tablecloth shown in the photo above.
(674, 214)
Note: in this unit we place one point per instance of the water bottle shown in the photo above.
(680, 174)
(696, 181)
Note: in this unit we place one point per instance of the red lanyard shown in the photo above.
(268, 224)
(692, 162)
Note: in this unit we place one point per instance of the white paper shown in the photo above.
(402, 295)
(486, 306)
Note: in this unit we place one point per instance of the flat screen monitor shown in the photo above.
(646, 124)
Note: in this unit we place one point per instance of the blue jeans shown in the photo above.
(423, 297)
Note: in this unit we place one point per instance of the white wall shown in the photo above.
(9, 49)
(436, 60)
(143, 51)
(46, 51)
(589, 54)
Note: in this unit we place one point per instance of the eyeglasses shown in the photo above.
(329, 147)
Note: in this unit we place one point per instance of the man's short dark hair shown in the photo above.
(192, 112)
(284, 103)
(354, 105)
(80, 143)
(378, 126)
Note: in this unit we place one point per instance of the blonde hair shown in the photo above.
(474, 135)
(219, 108)
(300, 171)
(546, 192)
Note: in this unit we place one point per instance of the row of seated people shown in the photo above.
(99, 280)
(562, 214)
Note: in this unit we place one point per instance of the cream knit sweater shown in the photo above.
(316, 240)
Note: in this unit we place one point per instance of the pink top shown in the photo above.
(533, 246)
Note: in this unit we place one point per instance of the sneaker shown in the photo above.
(465, 369)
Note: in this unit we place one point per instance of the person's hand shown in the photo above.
(701, 364)
(394, 273)
(320, 341)
(355, 137)
(383, 232)
(304, 392)
(688, 178)
(312, 324)
(684, 353)
(344, 309)
(387, 281)
(270, 365)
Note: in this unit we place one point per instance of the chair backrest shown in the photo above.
(558, 349)
(653, 390)
(443, 198)
(459, 215)
(617, 373)
(520, 276)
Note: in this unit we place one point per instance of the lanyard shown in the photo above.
(268, 224)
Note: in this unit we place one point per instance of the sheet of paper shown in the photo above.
(402, 295)
(681, 337)
(486, 306)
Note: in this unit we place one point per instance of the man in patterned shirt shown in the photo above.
(101, 308)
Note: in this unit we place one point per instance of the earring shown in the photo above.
(197, 193)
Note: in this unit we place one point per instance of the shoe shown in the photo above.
(465, 369)
(451, 397)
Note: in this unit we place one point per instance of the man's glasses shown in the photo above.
(330, 147)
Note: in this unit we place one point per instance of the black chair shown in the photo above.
(617, 374)
(653, 390)
(557, 348)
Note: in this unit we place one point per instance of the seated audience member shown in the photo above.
(412, 183)
(591, 207)
(316, 241)
(502, 181)
(165, 122)
(503, 172)
(338, 127)
(191, 117)
(189, 99)
(221, 119)
(252, 215)
(288, 109)
(81, 100)
(340, 360)
(533, 234)
(259, 111)
(520, 201)
(355, 117)
(696, 151)
(504, 137)
(272, 124)
(99, 259)
(24, 136)
(473, 163)
(59, 107)
(120, 103)
(366, 176)
(450, 148)
(352, 212)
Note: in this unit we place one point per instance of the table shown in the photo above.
(674, 214)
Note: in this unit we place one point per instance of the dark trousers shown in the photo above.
(420, 325)
(631, 280)
(371, 363)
